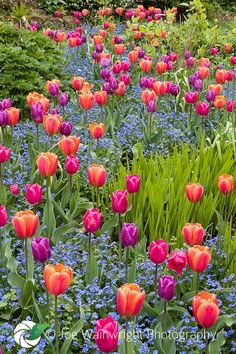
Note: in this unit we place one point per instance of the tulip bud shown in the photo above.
(14, 189)
(66, 128)
(41, 249)
(92, 220)
(225, 183)
(194, 192)
(177, 261)
(193, 234)
(151, 107)
(3, 215)
(129, 235)
(72, 164)
(191, 97)
(158, 251)
(53, 89)
(210, 96)
(166, 287)
(107, 334)
(174, 90)
(133, 183)
(97, 130)
(198, 85)
(34, 193)
(119, 201)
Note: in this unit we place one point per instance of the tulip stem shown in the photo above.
(119, 235)
(206, 341)
(133, 207)
(0, 173)
(126, 333)
(155, 282)
(47, 201)
(126, 264)
(56, 327)
(37, 135)
(89, 245)
(225, 208)
(165, 313)
(70, 183)
(98, 197)
(26, 258)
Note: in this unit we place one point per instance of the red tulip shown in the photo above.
(177, 261)
(77, 82)
(193, 234)
(194, 192)
(205, 309)
(86, 100)
(34, 193)
(225, 183)
(97, 130)
(119, 201)
(221, 76)
(198, 258)
(92, 220)
(100, 97)
(158, 251)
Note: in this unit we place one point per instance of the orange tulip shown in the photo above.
(225, 183)
(121, 89)
(107, 11)
(193, 234)
(204, 71)
(204, 62)
(228, 48)
(219, 102)
(163, 34)
(119, 49)
(119, 11)
(33, 97)
(104, 56)
(221, 76)
(97, 130)
(13, 115)
(59, 36)
(100, 97)
(52, 123)
(161, 67)
(216, 88)
(198, 258)
(47, 163)
(69, 145)
(97, 39)
(194, 192)
(25, 223)
(72, 42)
(147, 96)
(133, 56)
(55, 81)
(77, 82)
(103, 33)
(97, 175)
(57, 278)
(205, 309)
(86, 100)
(130, 300)
(145, 65)
(159, 87)
(138, 34)
(85, 12)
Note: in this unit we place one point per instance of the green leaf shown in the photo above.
(148, 309)
(3, 194)
(49, 219)
(13, 278)
(109, 225)
(224, 320)
(157, 339)
(214, 346)
(38, 329)
(59, 232)
(132, 272)
(26, 294)
(91, 269)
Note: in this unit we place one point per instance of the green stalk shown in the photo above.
(126, 332)
(89, 245)
(126, 264)
(26, 258)
(119, 235)
(165, 313)
(155, 282)
(133, 207)
(56, 326)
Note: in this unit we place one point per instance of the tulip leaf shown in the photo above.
(132, 272)
(157, 339)
(148, 309)
(26, 293)
(169, 346)
(214, 346)
(109, 225)
(14, 279)
(224, 320)
(91, 269)
(59, 232)
(49, 219)
(38, 329)
(129, 347)
(188, 296)
(3, 194)
(74, 331)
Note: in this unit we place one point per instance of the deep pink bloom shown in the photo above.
(133, 183)
(34, 193)
(158, 251)
(202, 108)
(119, 201)
(3, 216)
(14, 189)
(5, 154)
(177, 261)
(72, 164)
(92, 220)
(106, 334)
(41, 249)
(191, 97)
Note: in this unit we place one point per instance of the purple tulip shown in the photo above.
(166, 287)
(53, 89)
(5, 103)
(117, 40)
(105, 74)
(99, 48)
(66, 128)
(95, 55)
(165, 58)
(106, 87)
(63, 99)
(129, 235)
(187, 54)
(198, 84)
(3, 118)
(41, 249)
(36, 111)
(105, 62)
(83, 38)
(143, 82)
(190, 62)
(151, 107)
(141, 53)
(54, 111)
(174, 90)
(113, 83)
(210, 96)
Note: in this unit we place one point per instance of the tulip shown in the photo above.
(174, 90)
(194, 192)
(147, 96)
(160, 88)
(214, 51)
(52, 123)
(233, 60)
(198, 84)
(219, 102)
(97, 130)
(119, 201)
(198, 258)
(166, 287)
(107, 334)
(130, 300)
(227, 48)
(37, 112)
(161, 67)
(14, 189)
(85, 12)
(92, 220)
(66, 128)
(57, 13)
(119, 11)
(47, 163)
(25, 223)
(133, 183)
(204, 62)
(97, 175)
(41, 249)
(225, 183)
(191, 97)
(69, 145)
(151, 107)
(177, 261)
(57, 278)
(205, 309)
(210, 96)
(53, 89)
(100, 97)
(121, 89)
(33, 193)
(145, 65)
(129, 235)
(204, 72)
(63, 99)
(5, 103)
(3, 215)
(221, 76)
(190, 62)
(72, 164)
(193, 234)
(5, 154)
(77, 83)
(119, 49)
(3, 118)
(86, 100)
(158, 251)
(133, 56)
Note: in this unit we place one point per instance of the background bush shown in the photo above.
(27, 61)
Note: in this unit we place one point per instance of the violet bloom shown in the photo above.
(3, 118)
(106, 87)
(99, 48)
(41, 249)
(66, 128)
(105, 74)
(166, 287)
(63, 99)
(210, 96)
(151, 107)
(174, 90)
(105, 63)
(187, 54)
(190, 62)
(143, 82)
(5, 103)
(165, 58)
(83, 38)
(113, 83)
(54, 111)
(129, 235)
(117, 40)
(198, 84)
(95, 55)
(53, 89)
(141, 53)
(36, 111)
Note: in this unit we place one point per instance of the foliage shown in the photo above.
(27, 61)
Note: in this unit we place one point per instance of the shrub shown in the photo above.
(27, 60)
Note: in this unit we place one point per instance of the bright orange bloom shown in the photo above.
(130, 300)
(103, 33)
(145, 65)
(107, 11)
(34, 97)
(97, 175)
(204, 62)
(119, 11)
(72, 42)
(55, 81)
(59, 36)
(225, 183)
(97, 130)
(77, 82)
(25, 223)
(13, 115)
(194, 192)
(147, 96)
(97, 39)
(163, 34)
(69, 145)
(100, 97)
(86, 87)
(161, 67)
(133, 56)
(159, 87)
(85, 12)
(52, 123)
(86, 100)
(205, 309)
(219, 102)
(193, 234)
(47, 163)
(137, 34)
(216, 88)
(57, 278)
(228, 48)
(198, 258)
(221, 76)
(151, 35)
(119, 49)
(204, 71)
(104, 56)
(121, 89)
